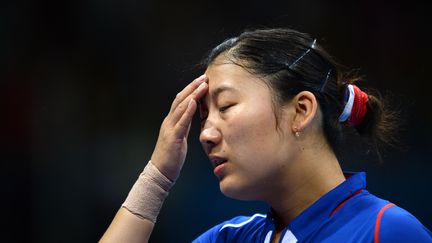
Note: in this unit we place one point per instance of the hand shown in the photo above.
(171, 146)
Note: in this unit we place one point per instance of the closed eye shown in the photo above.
(225, 108)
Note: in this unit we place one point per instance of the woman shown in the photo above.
(274, 106)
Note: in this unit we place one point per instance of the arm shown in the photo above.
(127, 227)
(135, 222)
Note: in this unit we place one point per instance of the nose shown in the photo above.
(209, 137)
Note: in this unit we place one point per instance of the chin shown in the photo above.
(236, 191)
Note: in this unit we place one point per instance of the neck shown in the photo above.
(308, 180)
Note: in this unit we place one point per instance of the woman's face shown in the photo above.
(249, 154)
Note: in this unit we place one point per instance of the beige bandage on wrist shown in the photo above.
(146, 197)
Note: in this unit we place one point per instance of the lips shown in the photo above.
(216, 160)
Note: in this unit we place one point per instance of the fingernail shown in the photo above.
(201, 78)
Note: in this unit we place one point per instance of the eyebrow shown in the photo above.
(216, 92)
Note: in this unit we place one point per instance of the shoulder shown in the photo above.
(394, 224)
(232, 229)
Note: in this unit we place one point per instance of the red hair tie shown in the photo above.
(359, 108)
(355, 105)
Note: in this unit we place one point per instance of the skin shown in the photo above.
(264, 161)
(241, 127)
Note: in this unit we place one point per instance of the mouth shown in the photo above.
(216, 160)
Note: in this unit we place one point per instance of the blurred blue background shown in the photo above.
(85, 85)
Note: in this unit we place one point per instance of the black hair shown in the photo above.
(291, 62)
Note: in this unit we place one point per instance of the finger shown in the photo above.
(183, 126)
(182, 95)
(176, 115)
(187, 132)
(200, 92)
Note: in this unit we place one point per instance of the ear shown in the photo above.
(306, 107)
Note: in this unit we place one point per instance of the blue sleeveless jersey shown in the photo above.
(348, 213)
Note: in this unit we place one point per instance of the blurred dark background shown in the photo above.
(85, 85)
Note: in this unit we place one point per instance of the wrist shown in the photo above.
(148, 193)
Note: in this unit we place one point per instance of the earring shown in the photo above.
(296, 132)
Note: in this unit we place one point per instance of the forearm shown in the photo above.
(127, 227)
(135, 220)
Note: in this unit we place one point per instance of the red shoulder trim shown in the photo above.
(378, 221)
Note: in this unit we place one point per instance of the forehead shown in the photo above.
(225, 76)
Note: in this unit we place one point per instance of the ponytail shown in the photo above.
(369, 114)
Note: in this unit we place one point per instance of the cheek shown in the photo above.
(252, 129)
